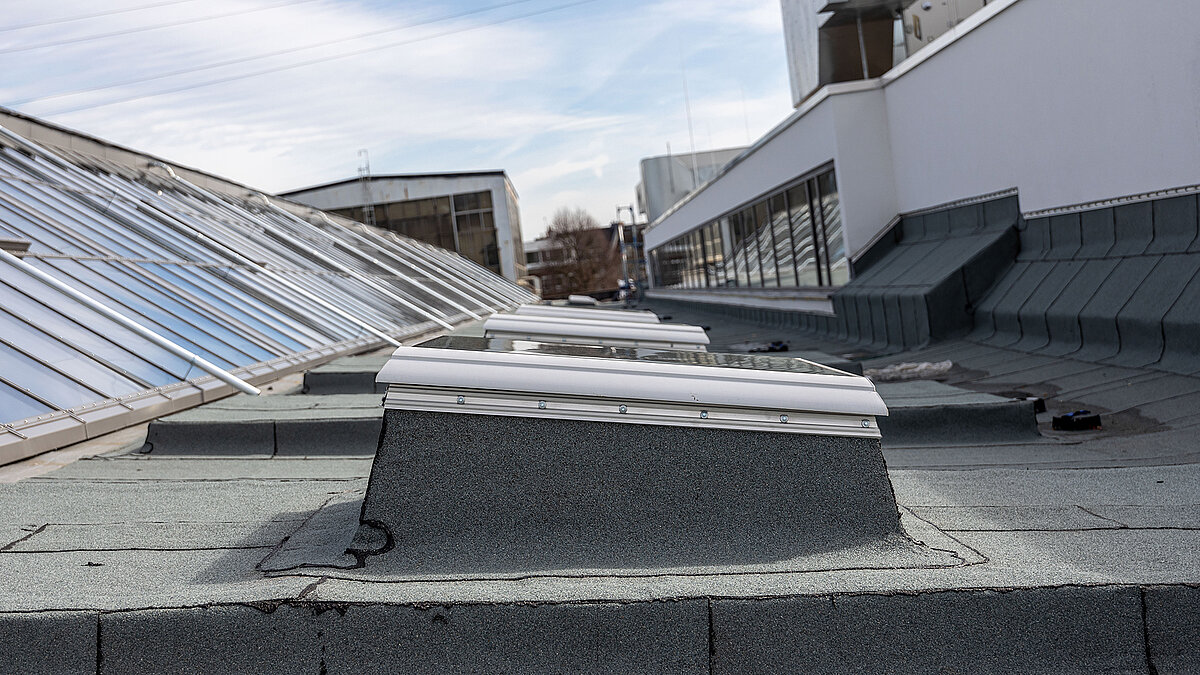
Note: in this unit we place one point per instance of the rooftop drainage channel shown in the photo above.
(926, 413)
(311, 425)
(511, 457)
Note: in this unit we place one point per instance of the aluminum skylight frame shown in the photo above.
(628, 315)
(584, 331)
(489, 381)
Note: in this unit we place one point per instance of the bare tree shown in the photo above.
(589, 259)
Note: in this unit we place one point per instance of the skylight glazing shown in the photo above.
(239, 281)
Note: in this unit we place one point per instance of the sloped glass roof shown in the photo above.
(240, 282)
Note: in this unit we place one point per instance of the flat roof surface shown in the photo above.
(1082, 520)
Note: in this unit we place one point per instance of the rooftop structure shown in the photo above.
(636, 316)
(132, 290)
(1035, 552)
(800, 218)
(473, 213)
(610, 331)
(666, 179)
(514, 505)
(617, 443)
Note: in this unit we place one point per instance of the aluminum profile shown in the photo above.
(628, 315)
(503, 377)
(583, 331)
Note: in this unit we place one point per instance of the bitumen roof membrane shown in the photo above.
(1045, 551)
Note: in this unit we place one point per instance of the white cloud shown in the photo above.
(566, 102)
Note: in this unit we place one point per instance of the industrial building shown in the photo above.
(473, 213)
(900, 208)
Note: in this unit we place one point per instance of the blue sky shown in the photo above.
(565, 96)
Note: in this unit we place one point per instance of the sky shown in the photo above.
(564, 95)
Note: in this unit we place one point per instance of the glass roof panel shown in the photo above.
(71, 362)
(18, 406)
(78, 325)
(40, 380)
(236, 278)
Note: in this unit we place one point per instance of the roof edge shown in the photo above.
(401, 176)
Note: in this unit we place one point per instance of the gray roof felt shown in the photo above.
(1056, 551)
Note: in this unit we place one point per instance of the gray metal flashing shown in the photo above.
(966, 201)
(1154, 195)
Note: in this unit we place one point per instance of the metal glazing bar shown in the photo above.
(367, 279)
(56, 338)
(466, 268)
(333, 263)
(393, 256)
(222, 375)
(295, 288)
(406, 245)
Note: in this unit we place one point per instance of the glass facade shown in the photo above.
(241, 282)
(790, 238)
(462, 223)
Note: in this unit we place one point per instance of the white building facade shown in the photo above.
(1036, 98)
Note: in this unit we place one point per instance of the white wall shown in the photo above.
(1067, 101)
(845, 124)
(798, 149)
(863, 165)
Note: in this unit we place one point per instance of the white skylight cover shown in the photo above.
(242, 283)
(496, 376)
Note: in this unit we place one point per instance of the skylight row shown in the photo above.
(236, 282)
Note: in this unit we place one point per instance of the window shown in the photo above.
(476, 229)
(790, 238)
